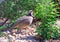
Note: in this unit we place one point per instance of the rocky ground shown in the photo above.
(14, 36)
(27, 35)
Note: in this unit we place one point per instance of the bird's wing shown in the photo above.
(21, 18)
(24, 20)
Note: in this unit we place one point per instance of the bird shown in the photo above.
(24, 21)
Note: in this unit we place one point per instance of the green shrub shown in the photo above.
(2, 34)
(2, 27)
(14, 9)
(47, 13)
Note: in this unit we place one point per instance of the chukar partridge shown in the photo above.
(25, 21)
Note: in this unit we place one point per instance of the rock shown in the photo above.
(14, 34)
(8, 32)
(3, 39)
(25, 36)
(21, 36)
(11, 37)
(4, 32)
(29, 41)
(17, 36)
(34, 34)
(21, 41)
(17, 41)
(58, 22)
(14, 30)
(50, 40)
(30, 34)
(58, 40)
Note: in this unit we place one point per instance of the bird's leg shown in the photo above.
(20, 30)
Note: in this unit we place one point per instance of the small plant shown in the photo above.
(2, 27)
(47, 13)
(2, 34)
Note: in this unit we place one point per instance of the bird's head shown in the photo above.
(30, 13)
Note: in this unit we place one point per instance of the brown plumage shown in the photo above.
(25, 21)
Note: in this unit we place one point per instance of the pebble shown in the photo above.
(58, 22)
(26, 35)
(19, 37)
(8, 32)
(21, 41)
(3, 39)
(14, 30)
(14, 34)
(30, 34)
(4, 32)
